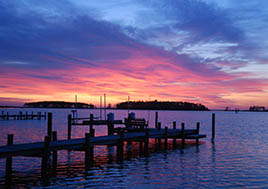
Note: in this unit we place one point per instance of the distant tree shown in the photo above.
(57, 104)
(257, 108)
(160, 105)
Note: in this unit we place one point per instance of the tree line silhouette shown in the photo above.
(161, 105)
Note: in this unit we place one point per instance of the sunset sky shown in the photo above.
(213, 52)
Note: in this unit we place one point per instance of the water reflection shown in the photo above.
(237, 158)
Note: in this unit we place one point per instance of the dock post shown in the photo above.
(182, 134)
(197, 132)
(141, 147)
(213, 126)
(146, 141)
(45, 157)
(174, 138)
(7, 116)
(49, 125)
(45, 116)
(156, 120)
(92, 132)
(166, 137)
(110, 128)
(159, 126)
(110, 124)
(20, 116)
(91, 118)
(32, 116)
(159, 139)
(89, 151)
(55, 153)
(26, 115)
(9, 161)
(39, 115)
(69, 126)
(120, 146)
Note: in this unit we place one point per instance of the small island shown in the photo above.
(161, 105)
(57, 104)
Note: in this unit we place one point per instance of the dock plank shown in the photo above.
(37, 147)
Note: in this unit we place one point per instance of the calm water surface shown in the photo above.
(238, 157)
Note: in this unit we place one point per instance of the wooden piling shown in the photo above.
(45, 116)
(32, 117)
(174, 138)
(120, 145)
(156, 120)
(166, 137)
(45, 157)
(7, 116)
(213, 126)
(69, 126)
(89, 151)
(92, 132)
(146, 141)
(91, 118)
(159, 140)
(9, 161)
(55, 154)
(182, 134)
(49, 125)
(197, 131)
(159, 126)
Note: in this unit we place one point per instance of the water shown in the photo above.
(237, 159)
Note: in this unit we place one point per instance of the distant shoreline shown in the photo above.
(211, 110)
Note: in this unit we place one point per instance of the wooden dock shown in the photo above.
(23, 116)
(116, 136)
(29, 149)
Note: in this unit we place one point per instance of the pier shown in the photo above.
(23, 116)
(132, 130)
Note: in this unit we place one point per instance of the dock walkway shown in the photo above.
(38, 147)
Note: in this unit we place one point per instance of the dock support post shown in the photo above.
(45, 157)
(166, 137)
(69, 126)
(146, 141)
(110, 128)
(91, 118)
(55, 153)
(197, 132)
(159, 126)
(182, 134)
(26, 115)
(120, 146)
(49, 125)
(141, 147)
(32, 117)
(39, 115)
(174, 138)
(89, 152)
(45, 116)
(20, 116)
(159, 139)
(213, 126)
(9, 161)
(156, 120)
(7, 116)
(92, 132)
